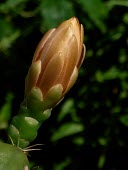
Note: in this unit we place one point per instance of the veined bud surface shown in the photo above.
(55, 64)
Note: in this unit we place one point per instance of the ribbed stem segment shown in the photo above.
(24, 127)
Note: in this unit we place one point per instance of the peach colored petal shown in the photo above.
(41, 44)
(51, 73)
(55, 45)
(81, 38)
(81, 59)
(76, 31)
(56, 37)
(72, 80)
(70, 61)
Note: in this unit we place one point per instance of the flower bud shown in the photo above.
(56, 61)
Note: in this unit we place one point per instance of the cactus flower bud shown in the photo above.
(55, 64)
(53, 72)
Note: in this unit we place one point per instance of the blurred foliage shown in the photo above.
(5, 112)
(88, 129)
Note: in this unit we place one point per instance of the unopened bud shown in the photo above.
(55, 64)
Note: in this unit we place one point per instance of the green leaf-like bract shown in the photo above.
(32, 113)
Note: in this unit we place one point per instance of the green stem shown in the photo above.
(24, 126)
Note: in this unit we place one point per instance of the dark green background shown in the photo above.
(89, 128)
